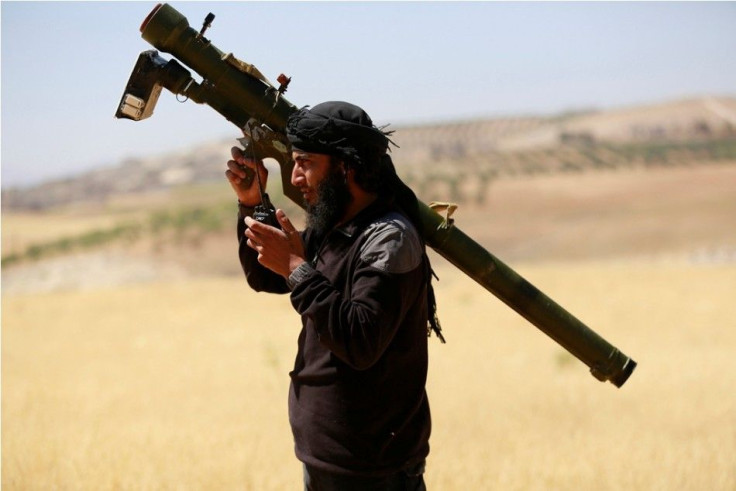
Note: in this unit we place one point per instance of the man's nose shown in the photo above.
(297, 176)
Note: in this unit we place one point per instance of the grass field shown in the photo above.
(182, 385)
(127, 368)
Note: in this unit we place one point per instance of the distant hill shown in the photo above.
(673, 133)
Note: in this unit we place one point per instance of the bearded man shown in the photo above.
(360, 279)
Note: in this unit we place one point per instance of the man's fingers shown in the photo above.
(239, 158)
(234, 177)
(258, 229)
(236, 169)
(237, 153)
(286, 224)
(249, 232)
(253, 241)
(252, 224)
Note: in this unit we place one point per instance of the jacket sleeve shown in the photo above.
(386, 279)
(260, 278)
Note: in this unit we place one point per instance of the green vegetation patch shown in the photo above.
(180, 223)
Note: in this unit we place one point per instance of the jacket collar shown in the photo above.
(378, 208)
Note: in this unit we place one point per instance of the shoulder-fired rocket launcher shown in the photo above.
(239, 92)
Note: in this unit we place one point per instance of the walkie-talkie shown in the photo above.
(265, 212)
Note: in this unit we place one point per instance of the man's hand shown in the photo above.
(281, 251)
(244, 185)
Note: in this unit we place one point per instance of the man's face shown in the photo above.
(321, 180)
(310, 169)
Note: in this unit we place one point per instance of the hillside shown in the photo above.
(450, 154)
(586, 198)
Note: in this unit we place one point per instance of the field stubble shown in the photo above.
(182, 385)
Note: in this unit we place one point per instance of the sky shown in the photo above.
(65, 65)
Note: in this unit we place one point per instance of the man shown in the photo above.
(359, 277)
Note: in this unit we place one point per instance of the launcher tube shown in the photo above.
(237, 94)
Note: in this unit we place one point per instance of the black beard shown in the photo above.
(333, 197)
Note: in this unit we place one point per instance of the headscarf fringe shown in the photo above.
(434, 321)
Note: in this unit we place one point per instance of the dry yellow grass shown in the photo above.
(183, 386)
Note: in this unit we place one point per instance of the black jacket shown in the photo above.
(357, 402)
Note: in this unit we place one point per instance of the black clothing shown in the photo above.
(357, 401)
(410, 479)
(346, 131)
